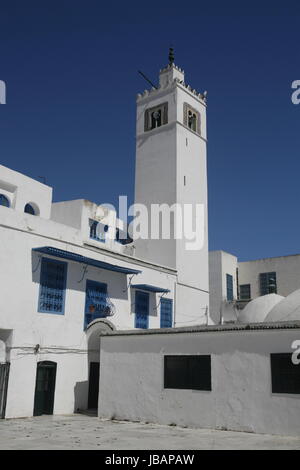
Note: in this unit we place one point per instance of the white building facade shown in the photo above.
(233, 283)
(237, 378)
(70, 270)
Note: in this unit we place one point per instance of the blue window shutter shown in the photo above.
(52, 286)
(96, 302)
(4, 201)
(166, 320)
(229, 285)
(141, 309)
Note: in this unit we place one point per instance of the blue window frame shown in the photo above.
(166, 317)
(96, 302)
(268, 283)
(98, 231)
(4, 201)
(29, 209)
(52, 286)
(141, 309)
(229, 287)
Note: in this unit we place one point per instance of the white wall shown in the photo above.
(220, 264)
(171, 169)
(20, 277)
(22, 190)
(241, 398)
(78, 214)
(287, 270)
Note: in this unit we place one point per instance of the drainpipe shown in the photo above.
(175, 301)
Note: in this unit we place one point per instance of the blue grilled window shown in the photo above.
(96, 302)
(268, 284)
(141, 309)
(166, 313)
(229, 287)
(52, 286)
(4, 201)
(98, 231)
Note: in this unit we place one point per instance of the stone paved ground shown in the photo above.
(87, 432)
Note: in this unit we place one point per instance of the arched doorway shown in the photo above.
(93, 332)
(44, 388)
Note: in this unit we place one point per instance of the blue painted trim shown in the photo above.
(136, 313)
(149, 288)
(40, 310)
(48, 250)
(164, 302)
(89, 284)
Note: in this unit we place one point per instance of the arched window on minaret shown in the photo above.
(191, 118)
(156, 116)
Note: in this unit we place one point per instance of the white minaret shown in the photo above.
(171, 169)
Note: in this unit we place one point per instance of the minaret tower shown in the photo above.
(171, 169)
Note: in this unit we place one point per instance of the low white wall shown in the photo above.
(71, 388)
(132, 380)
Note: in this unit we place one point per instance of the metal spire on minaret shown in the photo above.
(171, 56)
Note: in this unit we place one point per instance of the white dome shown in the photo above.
(257, 310)
(286, 310)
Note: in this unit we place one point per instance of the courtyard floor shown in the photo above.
(88, 432)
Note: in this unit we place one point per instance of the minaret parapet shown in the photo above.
(168, 77)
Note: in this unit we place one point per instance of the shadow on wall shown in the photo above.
(77, 276)
(5, 343)
(80, 396)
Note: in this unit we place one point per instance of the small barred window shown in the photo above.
(156, 117)
(191, 118)
(52, 286)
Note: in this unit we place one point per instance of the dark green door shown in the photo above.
(44, 388)
(93, 385)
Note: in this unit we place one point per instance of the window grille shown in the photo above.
(166, 313)
(97, 304)
(141, 309)
(52, 286)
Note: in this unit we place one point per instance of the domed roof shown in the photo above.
(286, 310)
(257, 310)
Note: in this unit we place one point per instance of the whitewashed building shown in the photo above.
(228, 377)
(67, 274)
(234, 283)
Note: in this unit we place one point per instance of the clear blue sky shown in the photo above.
(71, 72)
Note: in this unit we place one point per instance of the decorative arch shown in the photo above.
(4, 201)
(31, 208)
